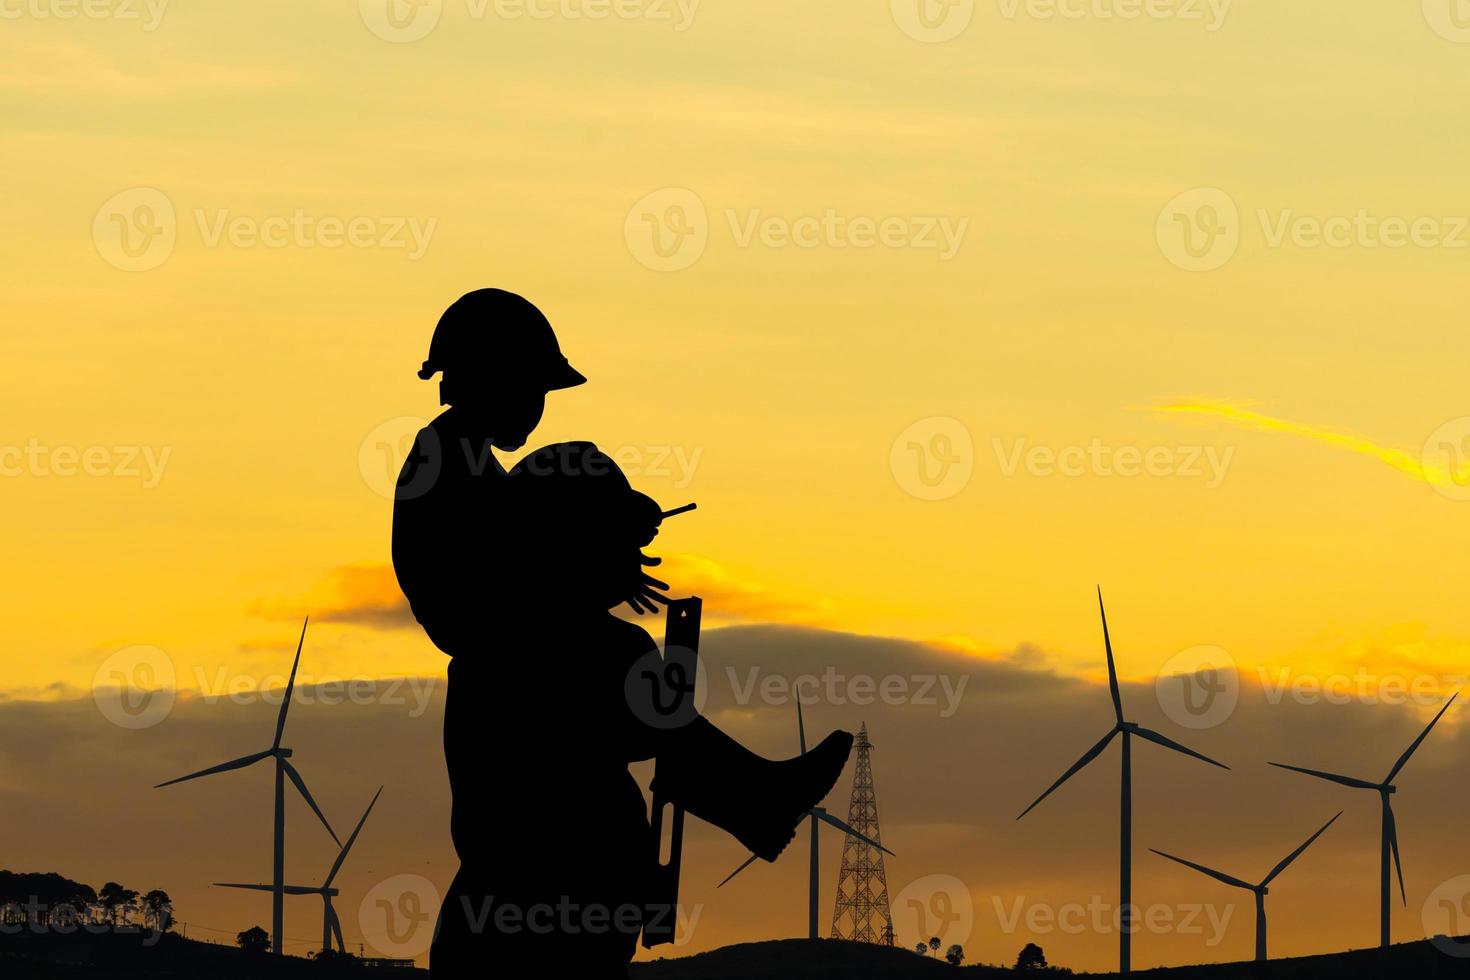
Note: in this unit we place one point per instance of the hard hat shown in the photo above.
(492, 328)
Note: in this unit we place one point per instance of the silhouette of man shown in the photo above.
(499, 358)
(513, 575)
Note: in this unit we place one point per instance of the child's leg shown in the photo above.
(757, 800)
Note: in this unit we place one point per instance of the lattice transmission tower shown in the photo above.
(862, 912)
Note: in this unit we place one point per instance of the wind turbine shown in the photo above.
(1127, 729)
(331, 925)
(1390, 835)
(1260, 890)
(814, 815)
(284, 770)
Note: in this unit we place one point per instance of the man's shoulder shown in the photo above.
(443, 457)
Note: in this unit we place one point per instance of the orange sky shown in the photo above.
(942, 320)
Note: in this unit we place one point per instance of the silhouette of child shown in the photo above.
(555, 845)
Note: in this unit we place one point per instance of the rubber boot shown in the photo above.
(756, 800)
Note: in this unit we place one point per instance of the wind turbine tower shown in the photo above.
(1128, 730)
(284, 770)
(1389, 828)
(1260, 890)
(331, 924)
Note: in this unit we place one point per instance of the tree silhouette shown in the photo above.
(1031, 958)
(921, 948)
(43, 899)
(116, 901)
(158, 910)
(955, 955)
(934, 943)
(255, 940)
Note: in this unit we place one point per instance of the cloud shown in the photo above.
(365, 594)
(732, 596)
(59, 68)
(1409, 464)
(949, 786)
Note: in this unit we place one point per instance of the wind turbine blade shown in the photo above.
(824, 815)
(290, 687)
(800, 725)
(1091, 754)
(1169, 743)
(288, 889)
(306, 795)
(1331, 777)
(1422, 735)
(336, 928)
(1112, 670)
(342, 855)
(748, 862)
(240, 763)
(1393, 842)
(1217, 875)
(1298, 852)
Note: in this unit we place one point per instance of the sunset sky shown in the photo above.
(943, 320)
